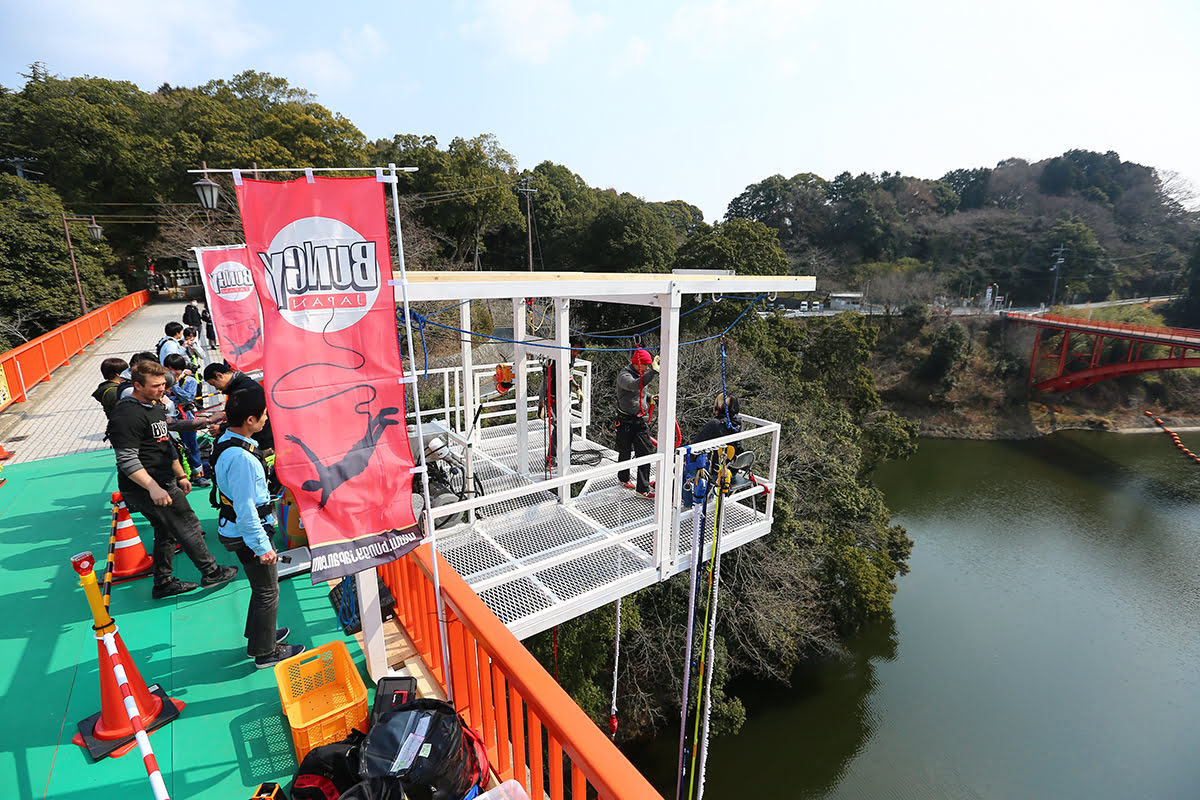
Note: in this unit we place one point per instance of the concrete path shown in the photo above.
(61, 418)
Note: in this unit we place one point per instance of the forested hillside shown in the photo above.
(1124, 229)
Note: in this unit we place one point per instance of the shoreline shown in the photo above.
(959, 425)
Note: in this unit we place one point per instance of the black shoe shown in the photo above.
(281, 635)
(282, 651)
(201, 483)
(218, 576)
(172, 587)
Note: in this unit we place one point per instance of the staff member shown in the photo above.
(633, 415)
(153, 482)
(246, 524)
(225, 378)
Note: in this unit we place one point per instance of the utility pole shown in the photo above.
(1057, 268)
(528, 191)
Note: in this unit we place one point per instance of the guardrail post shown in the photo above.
(521, 374)
(666, 492)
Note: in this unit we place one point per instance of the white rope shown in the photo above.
(712, 654)
(612, 711)
(697, 525)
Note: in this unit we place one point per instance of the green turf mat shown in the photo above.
(232, 734)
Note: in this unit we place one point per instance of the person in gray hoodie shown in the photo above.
(633, 418)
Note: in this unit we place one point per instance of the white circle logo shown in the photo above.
(231, 281)
(322, 274)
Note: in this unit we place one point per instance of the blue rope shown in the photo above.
(347, 615)
(724, 391)
(420, 327)
(422, 321)
(591, 335)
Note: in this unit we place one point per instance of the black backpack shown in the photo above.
(329, 770)
(423, 743)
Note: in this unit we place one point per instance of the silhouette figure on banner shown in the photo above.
(330, 477)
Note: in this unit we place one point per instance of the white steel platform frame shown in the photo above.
(537, 552)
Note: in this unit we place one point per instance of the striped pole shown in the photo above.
(135, 719)
(112, 555)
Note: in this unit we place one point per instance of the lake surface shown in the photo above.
(1045, 645)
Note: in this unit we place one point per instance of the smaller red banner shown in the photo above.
(233, 303)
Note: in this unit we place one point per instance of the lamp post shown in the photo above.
(208, 189)
(94, 230)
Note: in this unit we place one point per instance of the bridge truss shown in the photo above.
(1073, 352)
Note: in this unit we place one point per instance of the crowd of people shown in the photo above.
(158, 413)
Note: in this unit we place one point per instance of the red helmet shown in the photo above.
(642, 356)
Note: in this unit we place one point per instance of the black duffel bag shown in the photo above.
(422, 744)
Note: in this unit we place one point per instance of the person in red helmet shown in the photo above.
(633, 417)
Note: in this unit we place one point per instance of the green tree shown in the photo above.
(1060, 176)
(741, 245)
(1081, 266)
(1186, 311)
(947, 352)
(625, 235)
(971, 186)
(37, 285)
(685, 218)
(463, 192)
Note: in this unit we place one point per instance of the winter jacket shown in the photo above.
(633, 391)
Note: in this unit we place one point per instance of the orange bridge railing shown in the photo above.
(534, 731)
(28, 365)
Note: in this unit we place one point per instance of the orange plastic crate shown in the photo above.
(323, 696)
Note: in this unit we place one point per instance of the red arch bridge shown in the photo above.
(1073, 352)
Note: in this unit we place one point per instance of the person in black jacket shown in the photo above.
(209, 330)
(225, 378)
(109, 391)
(722, 423)
(191, 314)
(153, 482)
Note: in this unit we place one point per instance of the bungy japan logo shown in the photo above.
(322, 274)
(232, 281)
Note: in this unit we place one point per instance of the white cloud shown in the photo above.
(149, 41)
(720, 23)
(632, 57)
(529, 30)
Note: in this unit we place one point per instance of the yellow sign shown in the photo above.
(5, 394)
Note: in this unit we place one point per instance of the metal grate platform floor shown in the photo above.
(538, 562)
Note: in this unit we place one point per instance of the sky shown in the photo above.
(685, 101)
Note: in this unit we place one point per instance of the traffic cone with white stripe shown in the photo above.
(131, 561)
(128, 707)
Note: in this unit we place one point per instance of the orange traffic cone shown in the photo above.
(131, 560)
(111, 732)
(5, 455)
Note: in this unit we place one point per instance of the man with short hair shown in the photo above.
(171, 343)
(246, 524)
(109, 391)
(152, 481)
(225, 378)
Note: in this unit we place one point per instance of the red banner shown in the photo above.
(229, 290)
(321, 263)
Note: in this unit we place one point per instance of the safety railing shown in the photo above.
(32, 363)
(758, 435)
(445, 386)
(534, 732)
(1183, 335)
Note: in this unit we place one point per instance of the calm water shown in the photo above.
(1046, 643)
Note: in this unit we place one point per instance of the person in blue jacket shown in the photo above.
(246, 524)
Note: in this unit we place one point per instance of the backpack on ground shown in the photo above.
(427, 747)
(329, 770)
